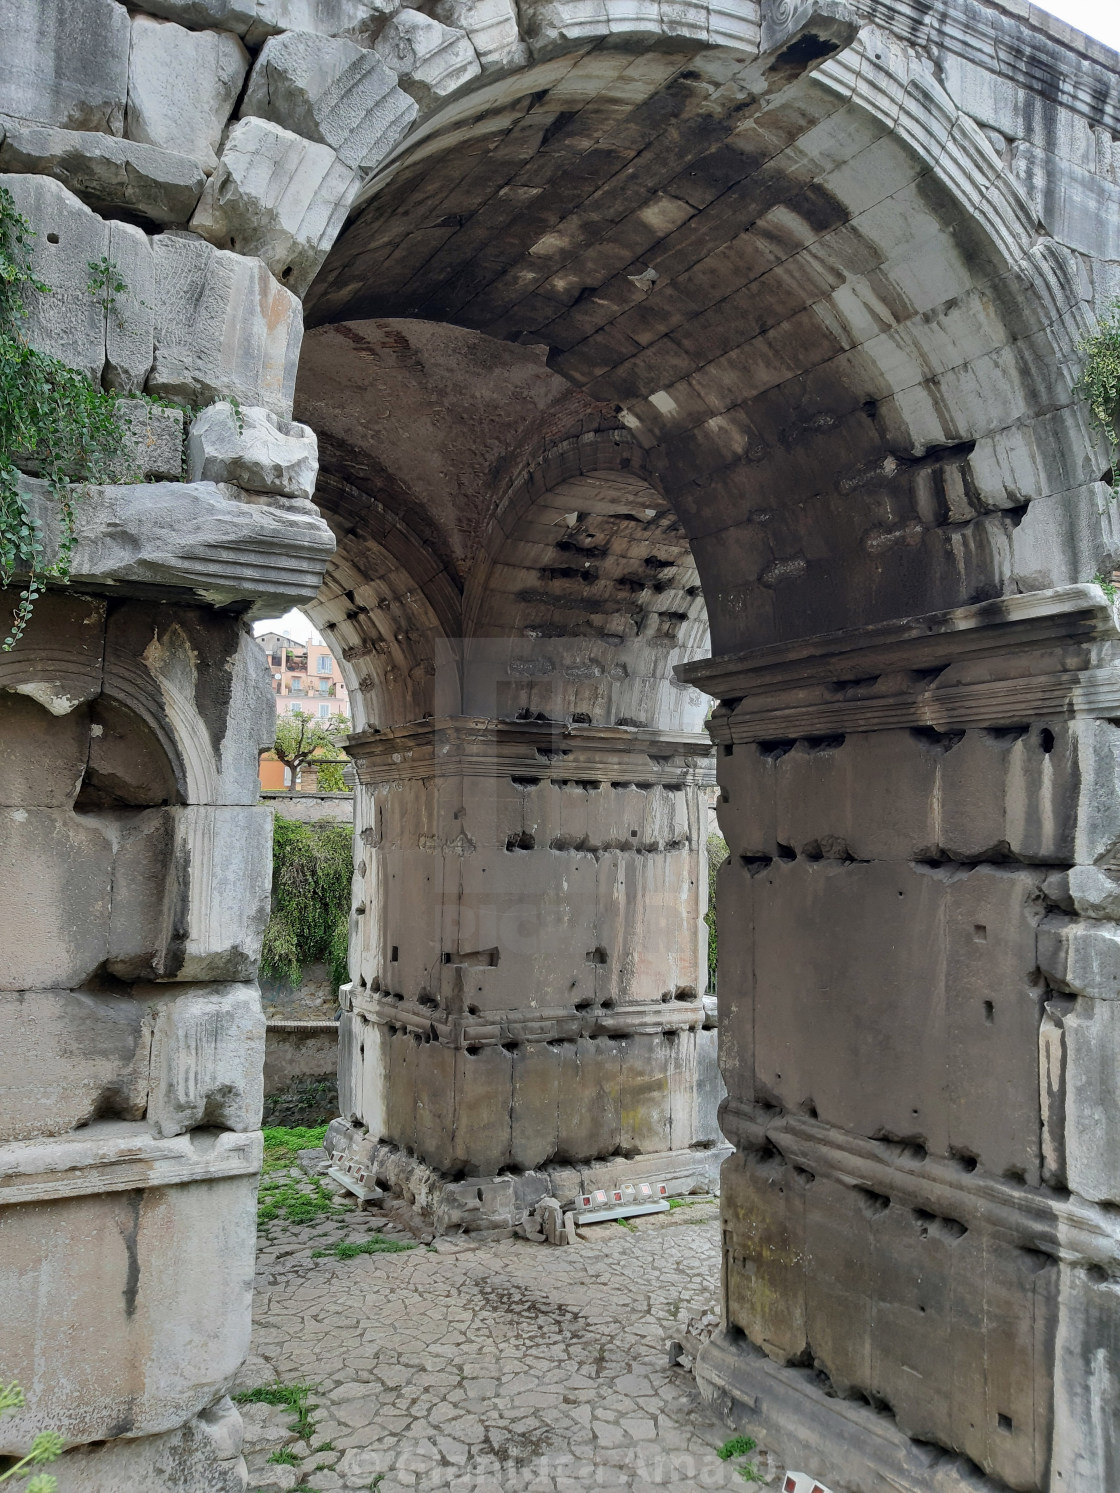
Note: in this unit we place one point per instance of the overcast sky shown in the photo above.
(1099, 18)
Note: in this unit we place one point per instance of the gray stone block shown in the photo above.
(491, 26)
(67, 322)
(431, 60)
(207, 1064)
(253, 449)
(153, 441)
(182, 87)
(55, 898)
(129, 314)
(222, 853)
(104, 171)
(65, 64)
(1078, 207)
(223, 326)
(279, 197)
(45, 755)
(153, 1284)
(202, 1456)
(332, 91)
(85, 1057)
(218, 15)
(328, 17)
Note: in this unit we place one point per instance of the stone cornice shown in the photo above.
(532, 1023)
(1047, 654)
(1019, 1214)
(476, 747)
(117, 1156)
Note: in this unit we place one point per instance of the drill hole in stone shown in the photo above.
(989, 1013)
(980, 933)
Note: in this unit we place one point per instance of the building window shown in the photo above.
(324, 710)
(324, 686)
(324, 664)
(297, 686)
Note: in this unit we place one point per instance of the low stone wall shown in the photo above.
(312, 808)
(301, 1072)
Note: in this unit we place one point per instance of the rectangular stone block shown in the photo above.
(75, 1057)
(223, 853)
(223, 327)
(66, 64)
(55, 881)
(125, 1309)
(952, 1328)
(913, 1012)
(207, 1066)
(1080, 1084)
(1029, 789)
(106, 172)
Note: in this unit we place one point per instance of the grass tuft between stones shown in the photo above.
(377, 1246)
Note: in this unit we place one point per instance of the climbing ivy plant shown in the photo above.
(51, 416)
(312, 867)
(1099, 384)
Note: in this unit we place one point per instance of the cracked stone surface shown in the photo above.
(503, 1365)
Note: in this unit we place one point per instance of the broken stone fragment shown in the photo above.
(430, 60)
(104, 171)
(330, 91)
(182, 86)
(253, 449)
(279, 197)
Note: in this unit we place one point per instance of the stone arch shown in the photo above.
(916, 687)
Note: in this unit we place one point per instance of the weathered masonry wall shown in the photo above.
(756, 318)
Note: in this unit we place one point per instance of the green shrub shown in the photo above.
(312, 869)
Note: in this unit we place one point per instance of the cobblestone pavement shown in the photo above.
(478, 1368)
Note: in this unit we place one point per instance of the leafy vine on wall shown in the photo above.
(53, 418)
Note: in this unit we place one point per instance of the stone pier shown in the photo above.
(527, 1010)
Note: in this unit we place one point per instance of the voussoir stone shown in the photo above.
(182, 86)
(253, 449)
(223, 326)
(65, 64)
(492, 28)
(105, 171)
(331, 91)
(279, 197)
(431, 60)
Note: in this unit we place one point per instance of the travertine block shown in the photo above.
(55, 897)
(68, 322)
(492, 28)
(279, 197)
(224, 852)
(223, 327)
(207, 1058)
(182, 86)
(66, 64)
(254, 449)
(203, 1456)
(332, 91)
(104, 171)
(76, 1057)
(945, 1048)
(148, 1296)
(431, 60)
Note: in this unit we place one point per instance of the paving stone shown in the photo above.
(493, 1367)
